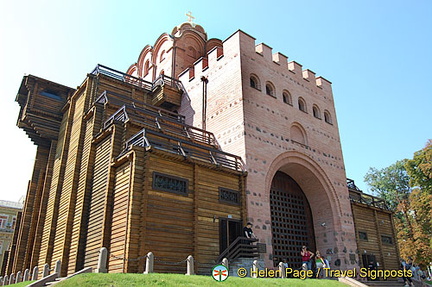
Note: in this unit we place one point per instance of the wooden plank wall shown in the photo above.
(52, 209)
(43, 205)
(97, 205)
(169, 216)
(390, 253)
(120, 216)
(208, 210)
(30, 213)
(68, 193)
(170, 225)
(85, 178)
(375, 223)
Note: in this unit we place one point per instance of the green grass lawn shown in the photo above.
(22, 284)
(117, 280)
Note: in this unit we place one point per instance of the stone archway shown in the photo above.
(315, 184)
(291, 220)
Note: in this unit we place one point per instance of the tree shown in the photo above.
(406, 186)
(390, 183)
(420, 168)
(420, 172)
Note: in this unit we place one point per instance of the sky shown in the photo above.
(377, 54)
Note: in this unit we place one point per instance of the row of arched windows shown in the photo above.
(287, 99)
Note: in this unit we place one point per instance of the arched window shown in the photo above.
(286, 96)
(327, 117)
(162, 56)
(316, 112)
(146, 67)
(302, 105)
(298, 133)
(254, 82)
(270, 90)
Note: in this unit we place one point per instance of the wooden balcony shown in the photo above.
(41, 102)
(167, 93)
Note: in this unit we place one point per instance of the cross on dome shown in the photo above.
(190, 17)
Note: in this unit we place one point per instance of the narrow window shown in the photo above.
(162, 56)
(327, 117)
(386, 239)
(146, 68)
(229, 196)
(286, 96)
(302, 105)
(254, 82)
(316, 112)
(270, 90)
(363, 235)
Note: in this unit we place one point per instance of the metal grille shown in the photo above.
(291, 220)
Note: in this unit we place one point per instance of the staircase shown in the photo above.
(242, 247)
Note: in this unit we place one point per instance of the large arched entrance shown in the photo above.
(291, 217)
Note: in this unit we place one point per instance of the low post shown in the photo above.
(255, 269)
(102, 262)
(18, 278)
(26, 275)
(35, 274)
(282, 270)
(225, 263)
(5, 280)
(45, 271)
(12, 279)
(190, 265)
(57, 268)
(149, 263)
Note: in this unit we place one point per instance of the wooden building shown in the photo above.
(375, 232)
(115, 170)
(138, 161)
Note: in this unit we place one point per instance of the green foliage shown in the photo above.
(407, 188)
(155, 279)
(390, 183)
(420, 168)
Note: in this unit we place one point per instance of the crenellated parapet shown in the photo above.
(279, 60)
(295, 68)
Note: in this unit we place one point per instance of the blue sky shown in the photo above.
(377, 54)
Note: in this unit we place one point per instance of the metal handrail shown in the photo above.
(236, 246)
(107, 71)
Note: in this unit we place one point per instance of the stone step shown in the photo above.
(392, 283)
(57, 280)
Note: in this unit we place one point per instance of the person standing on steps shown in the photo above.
(306, 258)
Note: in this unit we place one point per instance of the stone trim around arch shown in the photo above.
(296, 164)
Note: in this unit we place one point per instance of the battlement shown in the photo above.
(247, 44)
(203, 63)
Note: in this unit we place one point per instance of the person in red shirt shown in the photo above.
(306, 258)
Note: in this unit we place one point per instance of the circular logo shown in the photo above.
(220, 273)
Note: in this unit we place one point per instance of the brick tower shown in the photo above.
(281, 120)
